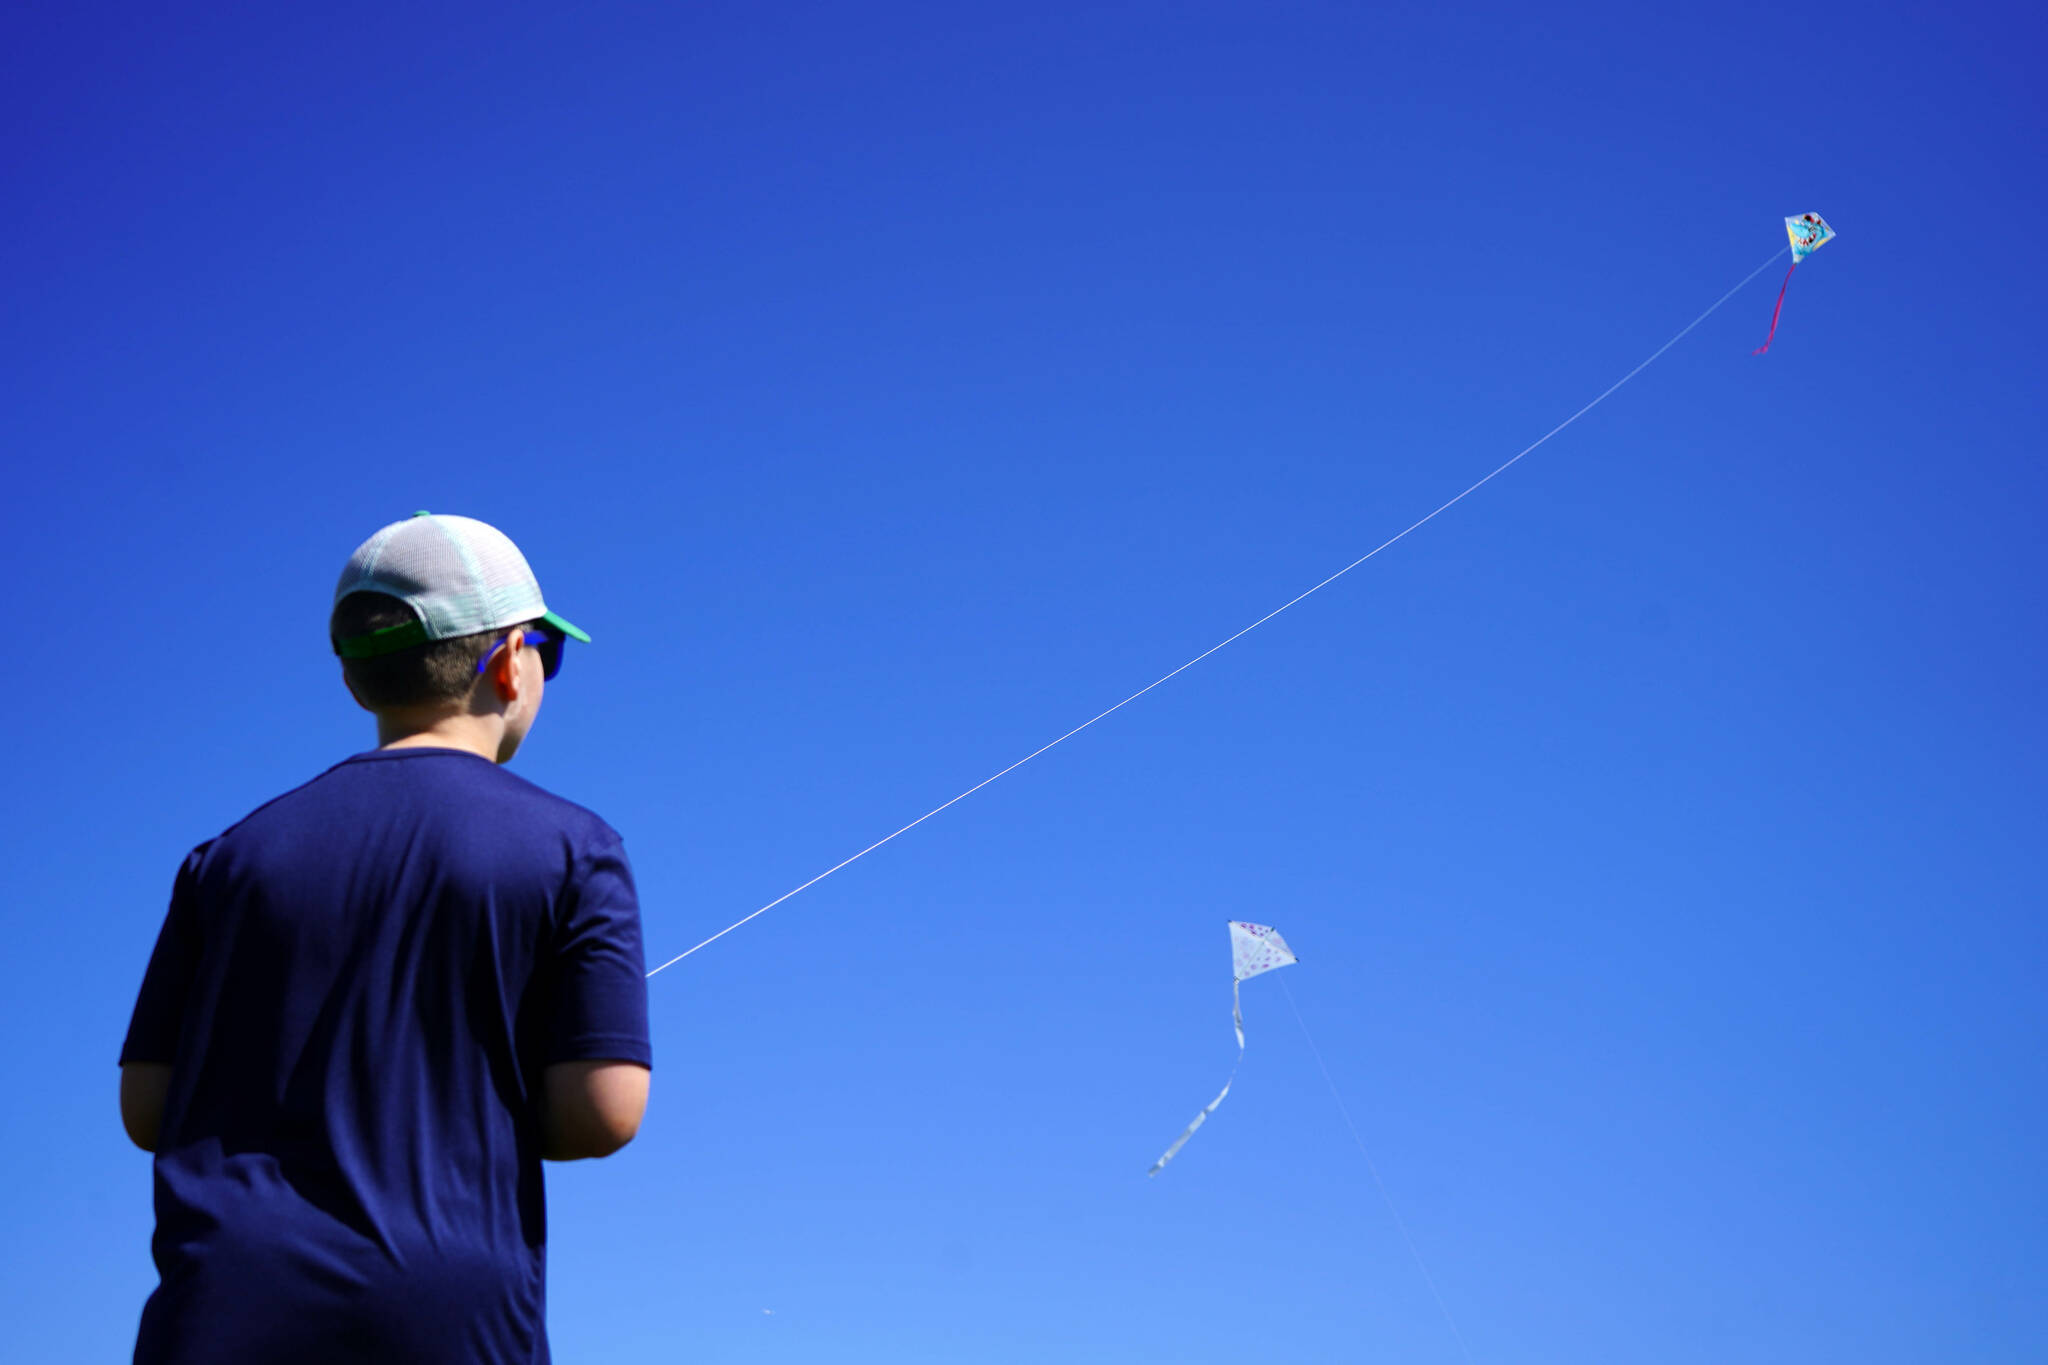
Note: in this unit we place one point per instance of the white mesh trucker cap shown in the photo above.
(461, 576)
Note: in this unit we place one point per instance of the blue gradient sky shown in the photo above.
(888, 389)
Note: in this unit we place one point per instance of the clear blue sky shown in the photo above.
(888, 388)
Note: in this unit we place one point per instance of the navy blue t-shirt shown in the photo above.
(357, 989)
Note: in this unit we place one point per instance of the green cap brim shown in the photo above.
(559, 624)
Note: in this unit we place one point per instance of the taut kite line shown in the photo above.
(1495, 473)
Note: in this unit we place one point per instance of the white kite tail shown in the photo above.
(1237, 1018)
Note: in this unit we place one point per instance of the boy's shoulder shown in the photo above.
(377, 775)
(558, 809)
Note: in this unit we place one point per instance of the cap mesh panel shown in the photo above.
(462, 576)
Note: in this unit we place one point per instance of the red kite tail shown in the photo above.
(1775, 311)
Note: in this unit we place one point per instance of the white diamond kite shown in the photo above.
(1254, 948)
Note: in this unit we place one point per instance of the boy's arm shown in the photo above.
(152, 1040)
(593, 1088)
(590, 1109)
(143, 1087)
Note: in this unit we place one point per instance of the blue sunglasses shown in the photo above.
(549, 642)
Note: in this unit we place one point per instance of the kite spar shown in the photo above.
(1254, 948)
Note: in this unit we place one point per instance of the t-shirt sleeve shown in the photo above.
(160, 1007)
(600, 968)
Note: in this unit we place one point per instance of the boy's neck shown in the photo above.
(483, 736)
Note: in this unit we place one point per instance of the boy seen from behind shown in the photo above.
(382, 999)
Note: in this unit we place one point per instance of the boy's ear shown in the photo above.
(353, 695)
(504, 668)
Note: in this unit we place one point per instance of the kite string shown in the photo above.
(1502, 468)
(1373, 1167)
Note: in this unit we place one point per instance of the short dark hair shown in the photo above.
(437, 671)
